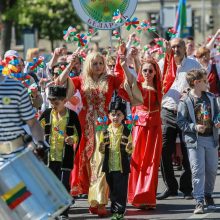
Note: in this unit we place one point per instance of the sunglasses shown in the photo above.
(147, 70)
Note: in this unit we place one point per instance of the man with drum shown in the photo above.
(27, 180)
(15, 110)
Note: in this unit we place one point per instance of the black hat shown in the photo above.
(118, 104)
(57, 92)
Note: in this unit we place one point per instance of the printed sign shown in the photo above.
(99, 13)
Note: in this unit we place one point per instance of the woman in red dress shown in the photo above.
(96, 88)
(146, 134)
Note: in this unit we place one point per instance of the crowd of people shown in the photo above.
(79, 104)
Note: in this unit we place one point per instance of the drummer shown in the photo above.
(15, 110)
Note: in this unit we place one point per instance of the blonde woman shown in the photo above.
(96, 88)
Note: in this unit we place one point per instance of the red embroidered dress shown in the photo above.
(147, 142)
(95, 101)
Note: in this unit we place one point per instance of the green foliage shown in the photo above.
(50, 17)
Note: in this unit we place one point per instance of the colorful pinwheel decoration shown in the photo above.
(81, 39)
(131, 23)
(91, 32)
(159, 41)
(136, 42)
(139, 29)
(37, 62)
(69, 34)
(116, 34)
(117, 16)
(82, 55)
(102, 123)
(131, 121)
(32, 88)
(171, 32)
(147, 47)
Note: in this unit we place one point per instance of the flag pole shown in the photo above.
(110, 39)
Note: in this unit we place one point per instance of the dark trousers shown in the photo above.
(170, 131)
(118, 184)
(63, 176)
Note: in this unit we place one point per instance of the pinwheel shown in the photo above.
(136, 41)
(116, 34)
(147, 47)
(6, 71)
(82, 56)
(139, 29)
(13, 68)
(91, 31)
(171, 32)
(117, 16)
(159, 41)
(82, 39)
(131, 23)
(32, 88)
(69, 34)
(145, 25)
(36, 62)
(102, 123)
(131, 121)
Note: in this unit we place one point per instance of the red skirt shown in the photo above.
(145, 161)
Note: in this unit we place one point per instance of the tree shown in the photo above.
(49, 17)
(7, 17)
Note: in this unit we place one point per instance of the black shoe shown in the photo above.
(166, 194)
(210, 203)
(188, 196)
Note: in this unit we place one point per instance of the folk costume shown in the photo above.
(116, 164)
(61, 155)
(147, 141)
(87, 176)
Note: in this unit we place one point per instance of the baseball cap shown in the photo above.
(9, 53)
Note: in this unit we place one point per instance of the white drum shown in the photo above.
(30, 191)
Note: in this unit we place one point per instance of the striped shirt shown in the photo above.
(15, 109)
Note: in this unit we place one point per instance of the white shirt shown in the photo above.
(171, 98)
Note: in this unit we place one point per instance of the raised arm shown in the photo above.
(62, 78)
(123, 63)
(57, 52)
(210, 44)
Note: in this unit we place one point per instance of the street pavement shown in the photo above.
(171, 208)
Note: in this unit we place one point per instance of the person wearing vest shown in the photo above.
(116, 145)
(62, 133)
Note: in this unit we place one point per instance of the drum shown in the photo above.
(29, 190)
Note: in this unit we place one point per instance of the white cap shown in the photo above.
(11, 53)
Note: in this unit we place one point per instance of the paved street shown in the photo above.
(171, 208)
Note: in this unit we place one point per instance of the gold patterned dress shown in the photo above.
(86, 177)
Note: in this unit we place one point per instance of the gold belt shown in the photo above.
(8, 147)
(157, 110)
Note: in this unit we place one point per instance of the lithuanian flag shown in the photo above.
(16, 195)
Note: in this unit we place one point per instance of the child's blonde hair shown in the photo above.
(30, 54)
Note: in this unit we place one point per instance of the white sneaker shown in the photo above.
(199, 208)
